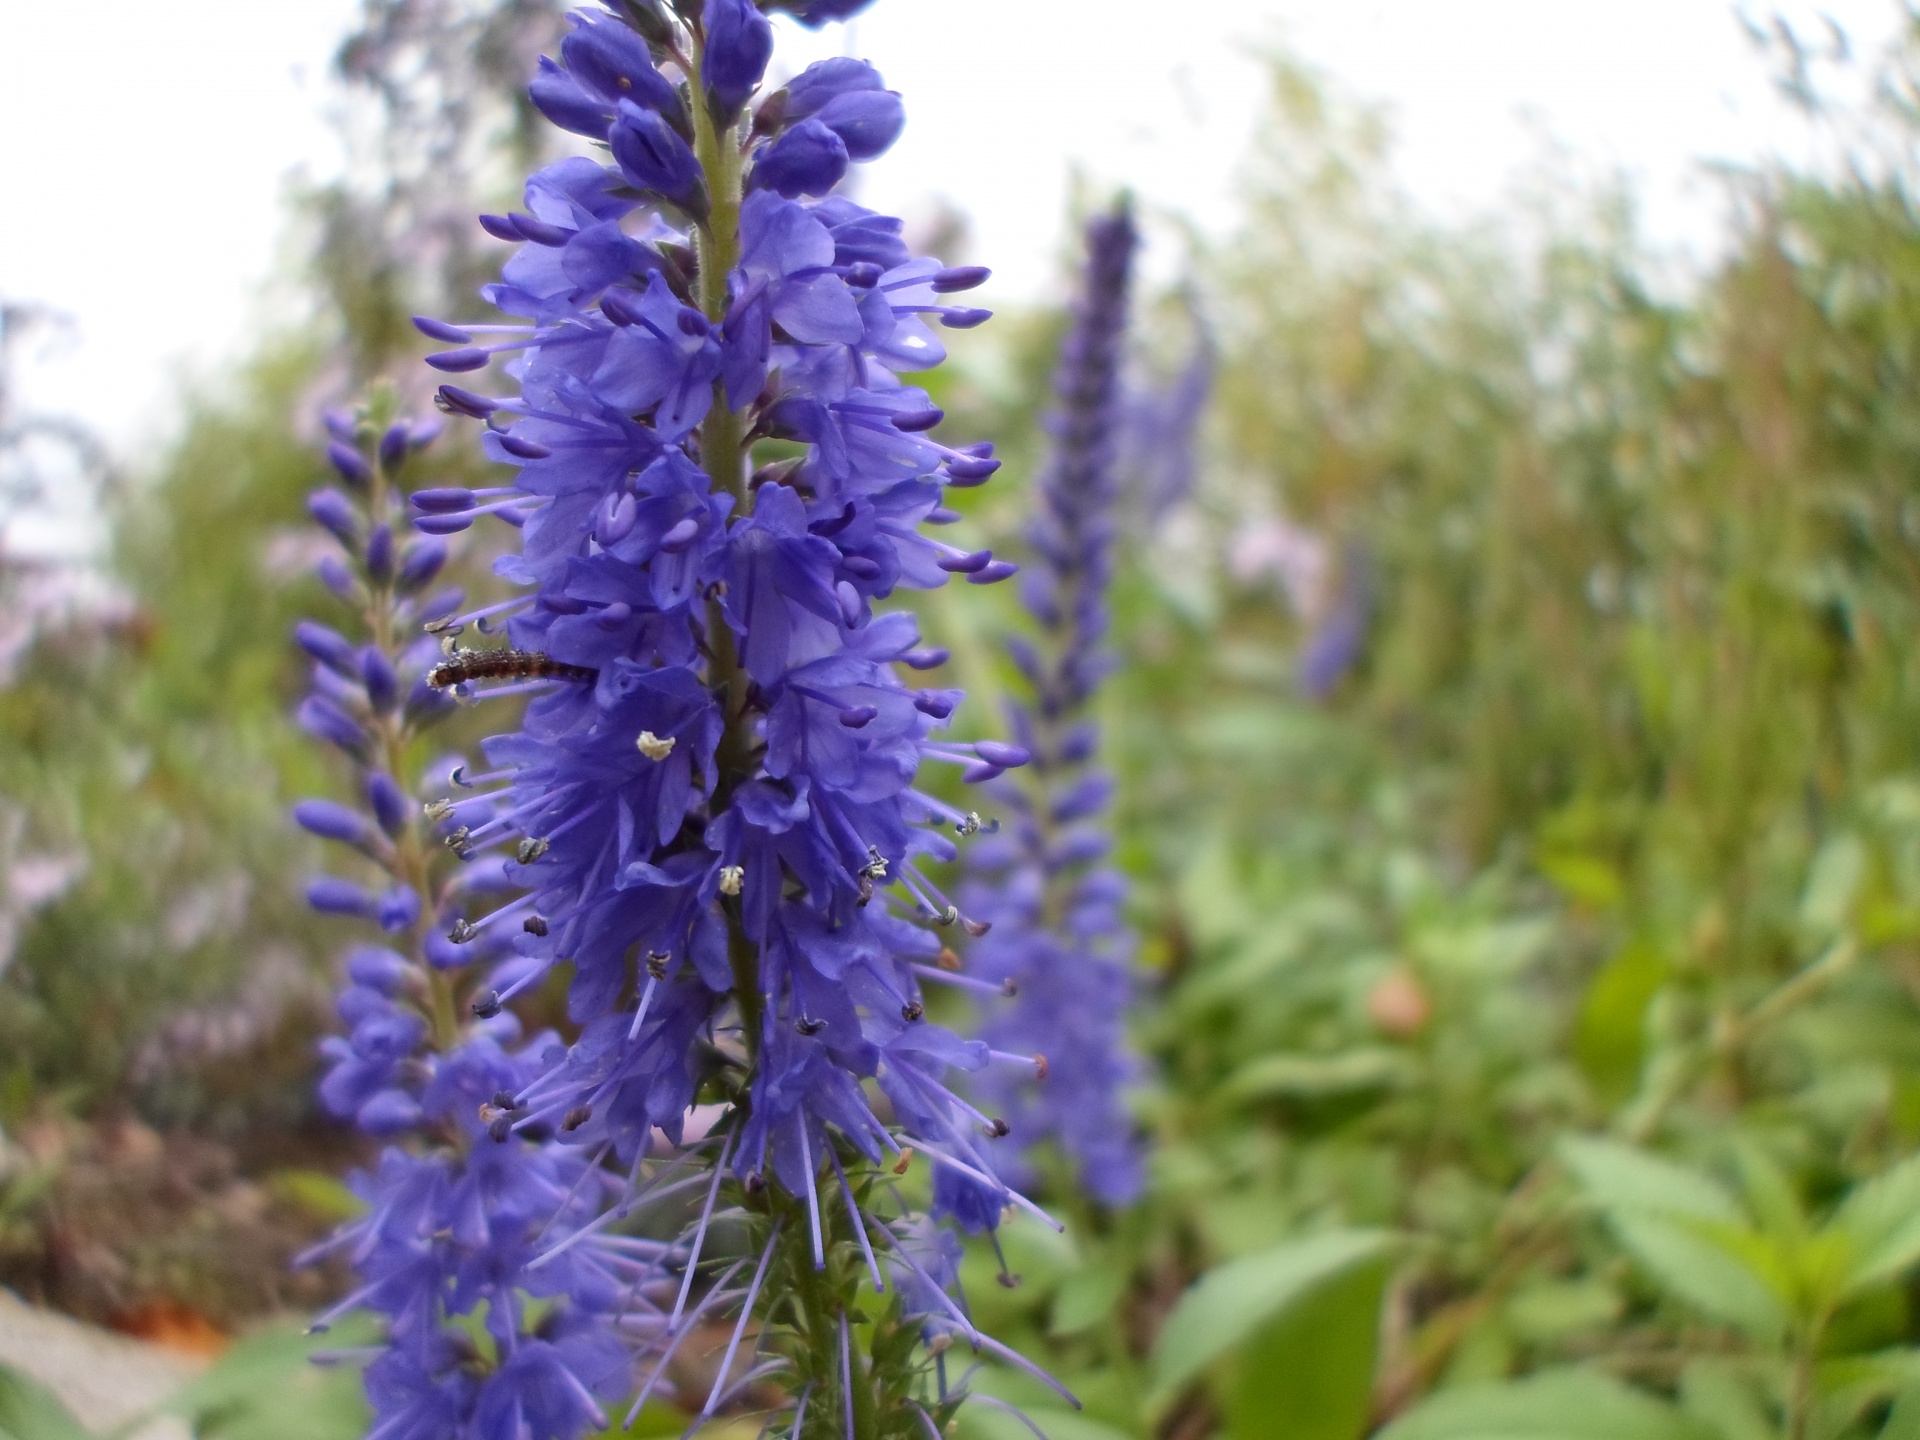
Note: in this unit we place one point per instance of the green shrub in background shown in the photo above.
(1588, 887)
(161, 972)
(181, 975)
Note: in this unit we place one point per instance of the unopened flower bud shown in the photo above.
(351, 465)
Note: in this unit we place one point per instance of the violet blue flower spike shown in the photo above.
(708, 820)
(1059, 942)
(1336, 641)
(466, 1197)
(1160, 431)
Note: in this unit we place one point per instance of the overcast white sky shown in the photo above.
(147, 145)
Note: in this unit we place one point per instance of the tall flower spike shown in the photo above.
(710, 808)
(454, 1218)
(1160, 430)
(1059, 941)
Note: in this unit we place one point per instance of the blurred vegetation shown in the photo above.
(1520, 771)
(158, 967)
(1519, 745)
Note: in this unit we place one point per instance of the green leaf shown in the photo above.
(1718, 1394)
(29, 1411)
(1903, 1421)
(1086, 1298)
(1585, 879)
(321, 1195)
(656, 1420)
(1882, 1220)
(990, 1422)
(1833, 882)
(1770, 1195)
(1554, 1405)
(1705, 1265)
(1846, 1387)
(1227, 1305)
(268, 1388)
(1309, 1373)
(1618, 1177)
(1609, 1039)
(1313, 1075)
(1555, 1309)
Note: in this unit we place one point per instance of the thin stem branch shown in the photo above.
(1730, 1036)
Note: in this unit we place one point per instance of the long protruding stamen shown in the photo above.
(708, 1301)
(746, 1314)
(902, 1253)
(999, 989)
(700, 1234)
(846, 1374)
(646, 1002)
(813, 1193)
(859, 1222)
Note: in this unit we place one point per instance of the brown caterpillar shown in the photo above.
(465, 665)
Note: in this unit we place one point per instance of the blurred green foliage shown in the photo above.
(147, 723)
(1609, 829)
(156, 745)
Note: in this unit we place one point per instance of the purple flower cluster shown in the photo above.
(1059, 939)
(453, 1227)
(709, 820)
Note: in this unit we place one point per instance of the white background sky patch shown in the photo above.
(149, 146)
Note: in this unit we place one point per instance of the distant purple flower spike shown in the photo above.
(394, 445)
(1058, 934)
(1160, 430)
(419, 564)
(388, 802)
(1336, 642)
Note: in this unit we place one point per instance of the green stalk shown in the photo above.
(820, 1297)
(722, 443)
(412, 861)
(1800, 1382)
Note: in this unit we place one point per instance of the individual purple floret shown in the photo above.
(708, 827)
(1059, 940)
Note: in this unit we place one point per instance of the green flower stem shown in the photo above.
(722, 447)
(820, 1299)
